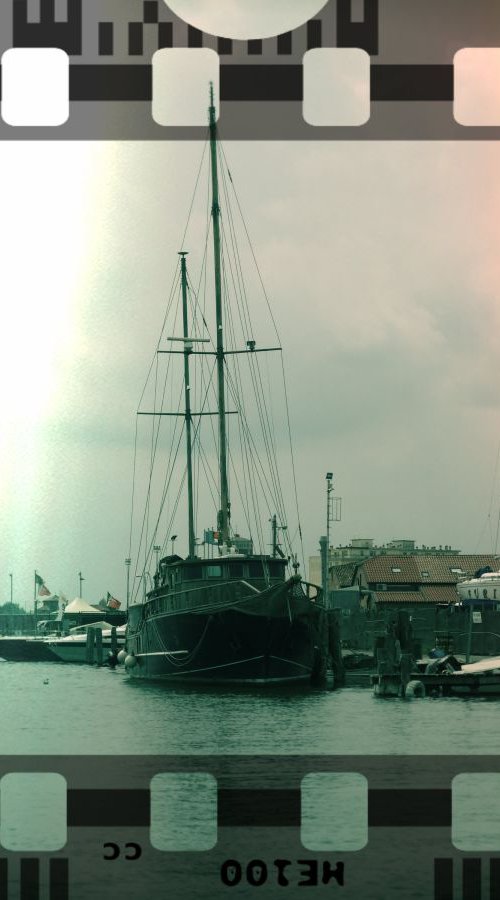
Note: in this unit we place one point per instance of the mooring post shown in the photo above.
(335, 646)
(98, 646)
(387, 681)
(89, 654)
(114, 640)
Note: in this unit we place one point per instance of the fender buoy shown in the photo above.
(415, 689)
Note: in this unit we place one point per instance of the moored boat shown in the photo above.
(237, 614)
(72, 648)
(483, 589)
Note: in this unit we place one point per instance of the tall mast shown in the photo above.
(223, 516)
(187, 399)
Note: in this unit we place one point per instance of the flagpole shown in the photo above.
(34, 601)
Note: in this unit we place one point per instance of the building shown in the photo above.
(426, 586)
(416, 579)
(363, 548)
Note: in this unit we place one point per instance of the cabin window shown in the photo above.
(485, 593)
(255, 570)
(276, 569)
(191, 573)
(494, 593)
(470, 595)
(236, 570)
(213, 571)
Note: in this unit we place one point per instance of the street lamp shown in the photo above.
(11, 586)
(173, 539)
(81, 579)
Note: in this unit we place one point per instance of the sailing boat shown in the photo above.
(234, 615)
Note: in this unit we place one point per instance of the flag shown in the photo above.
(43, 591)
(112, 602)
(38, 579)
(211, 537)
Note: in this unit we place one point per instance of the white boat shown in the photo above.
(482, 589)
(73, 647)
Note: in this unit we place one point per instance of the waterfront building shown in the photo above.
(370, 592)
(412, 580)
(361, 549)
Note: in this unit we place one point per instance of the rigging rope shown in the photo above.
(254, 481)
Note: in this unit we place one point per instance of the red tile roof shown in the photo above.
(380, 569)
(344, 574)
(440, 567)
(400, 597)
(439, 593)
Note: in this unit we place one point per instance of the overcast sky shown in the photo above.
(383, 266)
(382, 263)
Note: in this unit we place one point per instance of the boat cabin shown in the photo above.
(173, 571)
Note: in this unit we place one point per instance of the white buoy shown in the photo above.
(122, 656)
(130, 661)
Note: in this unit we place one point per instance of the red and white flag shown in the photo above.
(112, 602)
(43, 591)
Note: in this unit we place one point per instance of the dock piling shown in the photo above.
(394, 655)
(89, 655)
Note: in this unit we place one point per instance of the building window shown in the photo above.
(395, 569)
(457, 571)
(213, 571)
(424, 574)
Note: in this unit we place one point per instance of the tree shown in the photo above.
(11, 609)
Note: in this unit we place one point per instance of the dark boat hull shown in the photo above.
(275, 636)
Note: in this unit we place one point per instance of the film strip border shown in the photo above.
(258, 823)
(27, 875)
(111, 42)
(473, 874)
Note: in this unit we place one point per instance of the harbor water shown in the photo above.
(68, 710)
(83, 709)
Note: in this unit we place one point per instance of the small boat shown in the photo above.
(73, 647)
(59, 648)
(22, 648)
(447, 676)
(230, 612)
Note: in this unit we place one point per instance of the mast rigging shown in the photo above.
(224, 514)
